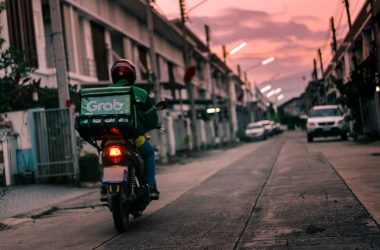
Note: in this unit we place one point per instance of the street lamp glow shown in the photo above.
(237, 48)
(280, 97)
(268, 60)
(262, 63)
(213, 110)
(377, 88)
(277, 91)
(274, 92)
(270, 93)
(265, 89)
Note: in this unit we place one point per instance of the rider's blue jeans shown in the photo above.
(147, 153)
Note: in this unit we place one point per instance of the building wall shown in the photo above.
(79, 44)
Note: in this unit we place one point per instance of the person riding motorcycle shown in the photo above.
(123, 73)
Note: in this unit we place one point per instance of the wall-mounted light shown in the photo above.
(213, 110)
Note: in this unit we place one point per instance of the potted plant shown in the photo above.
(28, 176)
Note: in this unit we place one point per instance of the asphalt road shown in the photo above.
(272, 194)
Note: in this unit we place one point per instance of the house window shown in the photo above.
(158, 66)
(143, 60)
(100, 51)
(117, 46)
(200, 70)
(21, 28)
(171, 72)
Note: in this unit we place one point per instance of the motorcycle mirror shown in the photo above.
(161, 105)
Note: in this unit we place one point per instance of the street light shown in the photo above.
(268, 60)
(265, 89)
(237, 48)
(262, 63)
(274, 92)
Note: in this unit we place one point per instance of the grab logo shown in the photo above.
(104, 106)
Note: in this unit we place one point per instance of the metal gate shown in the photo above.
(8, 163)
(54, 142)
(368, 113)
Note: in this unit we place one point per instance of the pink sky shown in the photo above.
(289, 30)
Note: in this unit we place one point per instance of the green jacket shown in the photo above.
(147, 117)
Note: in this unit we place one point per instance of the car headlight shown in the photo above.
(311, 124)
(341, 123)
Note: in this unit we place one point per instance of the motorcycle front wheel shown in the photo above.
(120, 213)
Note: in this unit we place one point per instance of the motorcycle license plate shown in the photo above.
(115, 174)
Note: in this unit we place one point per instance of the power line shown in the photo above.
(338, 9)
(356, 5)
(338, 27)
(166, 4)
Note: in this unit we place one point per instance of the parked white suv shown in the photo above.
(327, 120)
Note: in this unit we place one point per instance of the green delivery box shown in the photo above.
(106, 101)
(105, 109)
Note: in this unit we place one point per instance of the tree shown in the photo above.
(16, 87)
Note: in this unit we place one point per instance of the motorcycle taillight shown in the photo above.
(115, 153)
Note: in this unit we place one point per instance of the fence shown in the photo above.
(178, 134)
(54, 143)
(8, 148)
(368, 115)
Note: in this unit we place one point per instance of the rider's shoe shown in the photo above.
(154, 193)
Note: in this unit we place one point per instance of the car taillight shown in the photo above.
(115, 153)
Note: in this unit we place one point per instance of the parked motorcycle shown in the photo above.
(107, 121)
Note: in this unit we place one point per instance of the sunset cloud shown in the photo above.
(293, 40)
(290, 30)
(234, 24)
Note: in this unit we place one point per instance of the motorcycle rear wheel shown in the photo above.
(120, 214)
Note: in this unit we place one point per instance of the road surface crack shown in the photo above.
(236, 245)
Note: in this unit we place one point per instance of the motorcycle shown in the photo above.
(110, 126)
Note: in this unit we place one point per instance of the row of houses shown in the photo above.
(351, 78)
(98, 32)
(356, 65)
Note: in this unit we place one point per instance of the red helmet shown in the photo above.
(123, 70)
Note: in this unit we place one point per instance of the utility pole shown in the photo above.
(189, 87)
(376, 30)
(213, 83)
(354, 60)
(333, 44)
(321, 84)
(249, 97)
(229, 95)
(321, 63)
(153, 78)
(224, 53)
(315, 72)
(60, 54)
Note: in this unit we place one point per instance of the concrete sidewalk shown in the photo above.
(16, 200)
(358, 164)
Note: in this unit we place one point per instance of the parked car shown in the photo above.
(255, 131)
(278, 128)
(268, 125)
(327, 120)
